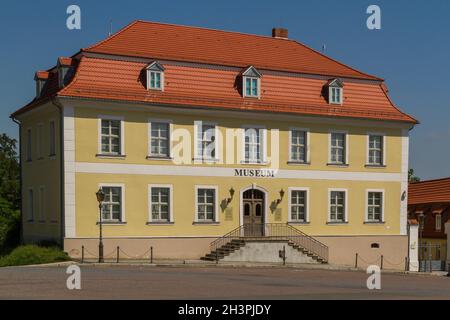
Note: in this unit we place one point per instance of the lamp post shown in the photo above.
(421, 248)
(100, 198)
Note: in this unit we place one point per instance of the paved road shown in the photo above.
(133, 282)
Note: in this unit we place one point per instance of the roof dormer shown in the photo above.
(251, 83)
(40, 78)
(335, 91)
(64, 68)
(155, 76)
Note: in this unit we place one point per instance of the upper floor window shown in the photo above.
(251, 83)
(438, 222)
(160, 139)
(376, 150)
(40, 141)
(155, 76)
(335, 91)
(299, 146)
(338, 148)
(111, 136)
(29, 145)
(375, 206)
(206, 144)
(52, 139)
(112, 207)
(254, 144)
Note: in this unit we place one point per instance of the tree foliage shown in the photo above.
(412, 177)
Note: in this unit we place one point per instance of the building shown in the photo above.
(193, 133)
(429, 203)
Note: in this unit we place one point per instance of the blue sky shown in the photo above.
(411, 51)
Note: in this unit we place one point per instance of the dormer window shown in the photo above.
(40, 78)
(155, 76)
(336, 92)
(65, 71)
(251, 83)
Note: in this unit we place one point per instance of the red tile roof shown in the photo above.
(44, 75)
(65, 61)
(180, 43)
(208, 86)
(427, 192)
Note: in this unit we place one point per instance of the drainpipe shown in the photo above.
(59, 106)
(20, 178)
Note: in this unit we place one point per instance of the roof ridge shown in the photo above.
(432, 180)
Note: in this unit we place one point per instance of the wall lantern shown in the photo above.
(281, 196)
(232, 192)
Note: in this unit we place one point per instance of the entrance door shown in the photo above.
(253, 204)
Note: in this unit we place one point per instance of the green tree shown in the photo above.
(412, 177)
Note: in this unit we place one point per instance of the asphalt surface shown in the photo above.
(218, 283)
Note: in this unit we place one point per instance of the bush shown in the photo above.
(9, 228)
(30, 255)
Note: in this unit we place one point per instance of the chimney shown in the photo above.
(280, 33)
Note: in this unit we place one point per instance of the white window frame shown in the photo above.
(40, 141)
(438, 226)
(150, 213)
(346, 206)
(263, 151)
(170, 145)
(341, 96)
(346, 148)
(198, 127)
(52, 140)
(216, 205)
(42, 204)
(122, 202)
(29, 146)
(383, 156)
(307, 147)
(383, 201)
(258, 81)
(307, 216)
(30, 207)
(122, 135)
(149, 73)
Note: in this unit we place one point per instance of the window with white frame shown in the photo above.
(338, 148)
(111, 137)
(299, 146)
(155, 80)
(52, 139)
(42, 204)
(337, 207)
(335, 95)
(29, 145)
(254, 145)
(298, 205)
(160, 202)
(160, 139)
(40, 142)
(206, 205)
(375, 206)
(206, 141)
(30, 205)
(376, 150)
(112, 206)
(438, 222)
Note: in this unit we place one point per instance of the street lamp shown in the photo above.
(100, 198)
(421, 248)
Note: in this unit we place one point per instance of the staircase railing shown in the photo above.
(273, 232)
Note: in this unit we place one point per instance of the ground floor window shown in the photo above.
(337, 206)
(298, 205)
(160, 203)
(112, 206)
(206, 204)
(375, 206)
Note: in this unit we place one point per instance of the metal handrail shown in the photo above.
(274, 231)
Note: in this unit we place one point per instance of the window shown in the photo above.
(254, 145)
(298, 206)
(299, 146)
(40, 142)
(29, 145)
(206, 204)
(206, 141)
(376, 153)
(52, 139)
(160, 139)
(155, 76)
(161, 203)
(374, 206)
(251, 83)
(42, 204)
(337, 207)
(335, 91)
(438, 222)
(111, 137)
(30, 205)
(112, 206)
(338, 152)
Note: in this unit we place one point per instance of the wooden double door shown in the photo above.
(253, 206)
